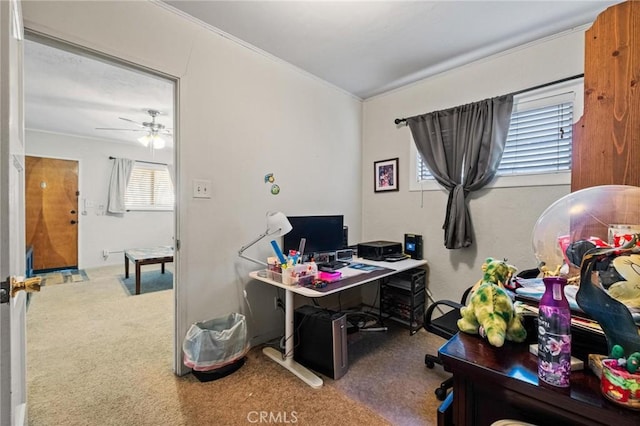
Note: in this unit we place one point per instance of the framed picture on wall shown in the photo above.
(385, 175)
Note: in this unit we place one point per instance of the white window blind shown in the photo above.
(423, 171)
(539, 139)
(150, 188)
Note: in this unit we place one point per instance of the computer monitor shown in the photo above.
(322, 233)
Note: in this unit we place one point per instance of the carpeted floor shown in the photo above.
(98, 357)
(387, 374)
(151, 281)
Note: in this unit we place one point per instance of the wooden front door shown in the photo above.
(51, 212)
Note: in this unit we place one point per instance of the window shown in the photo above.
(539, 141)
(538, 149)
(150, 188)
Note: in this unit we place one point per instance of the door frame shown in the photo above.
(13, 400)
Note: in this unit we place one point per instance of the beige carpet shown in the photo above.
(99, 357)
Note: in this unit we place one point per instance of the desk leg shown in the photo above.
(126, 266)
(287, 360)
(137, 277)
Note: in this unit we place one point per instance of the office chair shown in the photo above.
(446, 327)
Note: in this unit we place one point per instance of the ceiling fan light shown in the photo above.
(144, 140)
(158, 142)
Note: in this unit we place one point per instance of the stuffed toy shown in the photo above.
(490, 311)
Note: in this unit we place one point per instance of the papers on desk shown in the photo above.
(357, 269)
(578, 322)
(364, 267)
(534, 288)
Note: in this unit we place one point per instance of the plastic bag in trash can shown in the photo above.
(215, 343)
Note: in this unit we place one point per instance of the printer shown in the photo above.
(378, 250)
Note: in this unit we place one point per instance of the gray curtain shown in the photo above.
(120, 174)
(462, 147)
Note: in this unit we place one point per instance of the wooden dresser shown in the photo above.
(492, 383)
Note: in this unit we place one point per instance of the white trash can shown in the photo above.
(216, 348)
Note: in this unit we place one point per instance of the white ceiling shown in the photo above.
(72, 93)
(370, 47)
(362, 47)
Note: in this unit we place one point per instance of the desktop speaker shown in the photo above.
(413, 246)
(321, 340)
(345, 237)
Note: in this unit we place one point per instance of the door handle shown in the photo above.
(10, 287)
(73, 222)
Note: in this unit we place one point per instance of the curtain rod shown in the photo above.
(140, 161)
(551, 83)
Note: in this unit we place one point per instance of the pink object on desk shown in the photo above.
(330, 276)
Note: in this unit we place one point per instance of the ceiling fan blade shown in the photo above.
(150, 127)
(129, 130)
(131, 121)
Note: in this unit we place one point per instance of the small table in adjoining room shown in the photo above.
(146, 256)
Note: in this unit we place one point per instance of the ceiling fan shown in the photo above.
(152, 128)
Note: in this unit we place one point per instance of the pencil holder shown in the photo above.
(301, 274)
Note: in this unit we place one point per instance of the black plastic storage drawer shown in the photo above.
(402, 298)
(413, 280)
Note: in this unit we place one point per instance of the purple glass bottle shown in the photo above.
(554, 334)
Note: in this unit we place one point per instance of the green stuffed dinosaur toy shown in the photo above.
(490, 311)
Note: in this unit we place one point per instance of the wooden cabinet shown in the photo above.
(492, 383)
(606, 147)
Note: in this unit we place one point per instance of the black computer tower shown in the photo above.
(320, 340)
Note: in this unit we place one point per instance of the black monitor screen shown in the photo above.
(322, 234)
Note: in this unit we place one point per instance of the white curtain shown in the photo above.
(172, 175)
(120, 175)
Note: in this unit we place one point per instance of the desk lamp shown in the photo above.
(277, 226)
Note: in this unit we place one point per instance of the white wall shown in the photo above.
(503, 218)
(98, 230)
(241, 115)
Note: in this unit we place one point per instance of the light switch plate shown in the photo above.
(201, 188)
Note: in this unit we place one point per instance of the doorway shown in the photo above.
(101, 237)
(51, 213)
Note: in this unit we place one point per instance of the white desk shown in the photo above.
(351, 278)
